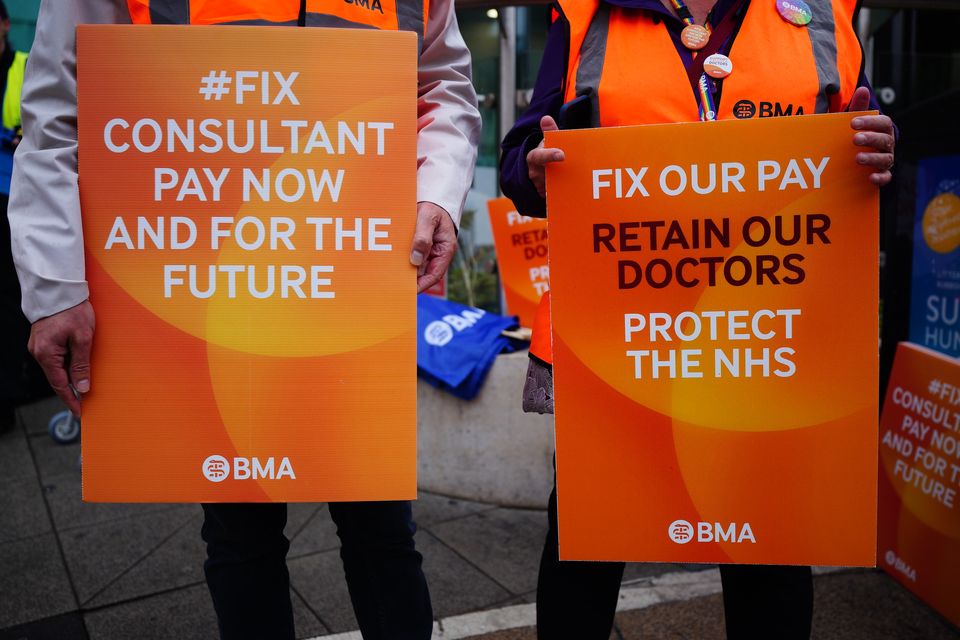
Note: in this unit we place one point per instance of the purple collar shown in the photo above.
(656, 6)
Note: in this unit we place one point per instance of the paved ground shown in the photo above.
(75, 571)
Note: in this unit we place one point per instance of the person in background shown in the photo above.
(245, 569)
(14, 327)
(632, 62)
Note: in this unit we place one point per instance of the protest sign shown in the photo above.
(521, 245)
(935, 279)
(715, 342)
(919, 532)
(248, 203)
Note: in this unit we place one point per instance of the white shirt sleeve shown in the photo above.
(448, 120)
(44, 209)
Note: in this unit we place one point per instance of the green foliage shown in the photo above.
(472, 279)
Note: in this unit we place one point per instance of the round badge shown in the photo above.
(717, 66)
(794, 11)
(694, 37)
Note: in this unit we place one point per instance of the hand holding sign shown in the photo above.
(61, 344)
(538, 158)
(876, 132)
(434, 243)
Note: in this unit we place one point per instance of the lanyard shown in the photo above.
(707, 103)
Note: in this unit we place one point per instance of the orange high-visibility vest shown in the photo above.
(405, 15)
(626, 61)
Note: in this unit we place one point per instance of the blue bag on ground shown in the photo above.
(457, 344)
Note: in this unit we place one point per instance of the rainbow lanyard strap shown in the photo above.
(707, 104)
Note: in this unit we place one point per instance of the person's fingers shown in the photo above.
(879, 123)
(860, 100)
(443, 246)
(537, 160)
(881, 161)
(541, 156)
(80, 345)
(437, 265)
(547, 123)
(52, 357)
(882, 142)
(427, 220)
(61, 342)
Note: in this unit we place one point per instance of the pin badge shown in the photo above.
(794, 11)
(694, 37)
(717, 66)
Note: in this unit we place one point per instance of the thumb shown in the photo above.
(80, 345)
(423, 238)
(547, 123)
(860, 100)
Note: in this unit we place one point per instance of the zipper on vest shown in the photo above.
(302, 16)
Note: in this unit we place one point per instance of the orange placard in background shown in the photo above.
(247, 221)
(521, 245)
(919, 539)
(714, 300)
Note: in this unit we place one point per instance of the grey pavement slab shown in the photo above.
(298, 515)
(456, 586)
(700, 618)
(100, 554)
(529, 633)
(184, 614)
(504, 543)
(640, 571)
(317, 535)
(319, 579)
(64, 497)
(176, 562)
(16, 463)
(432, 508)
(866, 605)
(33, 582)
(22, 510)
(305, 623)
(36, 416)
(54, 459)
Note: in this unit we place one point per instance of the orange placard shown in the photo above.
(919, 539)
(521, 245)
(715, 342)
(247, 220)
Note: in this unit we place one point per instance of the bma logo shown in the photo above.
(440, 332)
(745, 109)
(370, 5)
(682, 532)
(217, 469)
(900, 565)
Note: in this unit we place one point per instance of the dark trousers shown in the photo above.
(579, 599)
(247, 574)
(14, 328)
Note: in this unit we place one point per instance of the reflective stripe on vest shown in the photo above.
(779, 68)
(13, 91)
(404, 15)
